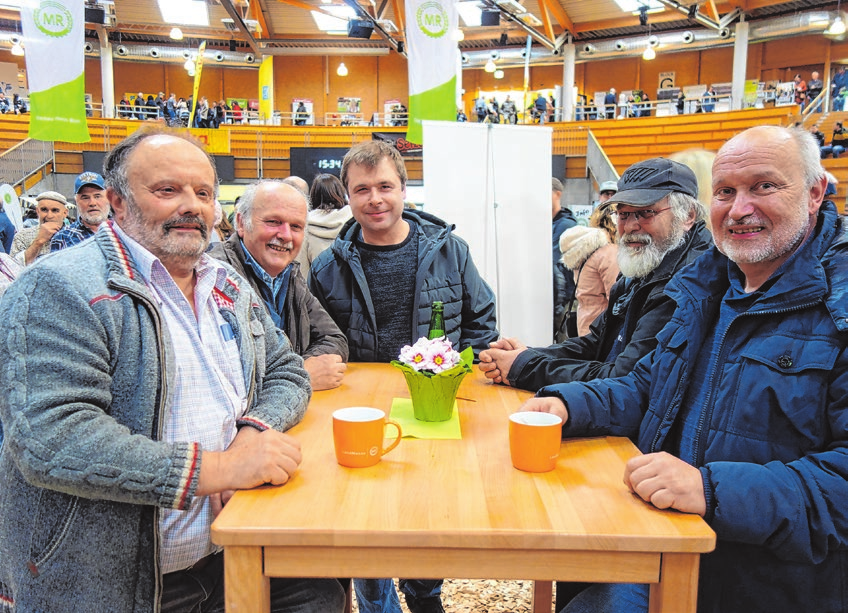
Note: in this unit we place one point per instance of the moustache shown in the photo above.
(645, 239)
(750, 220)
(187, 220)
(281, 245)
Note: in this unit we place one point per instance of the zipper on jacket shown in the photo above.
(709, 407)
(157, 545)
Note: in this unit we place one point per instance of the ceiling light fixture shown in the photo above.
(490, 66)
(184, 12)
(649, 53)
(341, 70)
(499, 74)
(189, 65)
(176, 33)
(837, 28)
(17, 48)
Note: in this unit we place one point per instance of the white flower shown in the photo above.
(433, 355)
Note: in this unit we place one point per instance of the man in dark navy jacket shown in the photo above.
(742, 409)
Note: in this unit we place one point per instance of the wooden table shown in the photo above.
(455, 508)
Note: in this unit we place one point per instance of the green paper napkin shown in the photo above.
(402, 413)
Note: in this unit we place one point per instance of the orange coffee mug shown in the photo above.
(358, 434)
(534, 440)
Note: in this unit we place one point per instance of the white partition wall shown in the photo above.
(494, 183)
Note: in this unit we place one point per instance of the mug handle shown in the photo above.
(391, 422)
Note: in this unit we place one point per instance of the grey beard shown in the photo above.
(635, 264)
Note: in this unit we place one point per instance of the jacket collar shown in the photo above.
(123, 269)
(817, 273)
(430, 228)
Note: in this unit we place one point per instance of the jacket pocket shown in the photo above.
(781, 390)
(56, 516)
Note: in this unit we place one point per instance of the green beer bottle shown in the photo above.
(437, 321)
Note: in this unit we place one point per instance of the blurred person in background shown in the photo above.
(329, 212)
(591, 252)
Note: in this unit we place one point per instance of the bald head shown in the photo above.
(298, 183)
(768, 185)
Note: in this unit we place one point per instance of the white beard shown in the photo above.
(640, 262)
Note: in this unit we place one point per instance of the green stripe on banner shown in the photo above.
(438, 103)
(58, 113)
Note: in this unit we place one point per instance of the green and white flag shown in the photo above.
(432, 62)
(54, 33)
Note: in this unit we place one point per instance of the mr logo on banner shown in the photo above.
(55, 29)
(432, 63)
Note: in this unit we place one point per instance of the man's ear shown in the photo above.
(817, 191)
(118, 204)
(239, 225)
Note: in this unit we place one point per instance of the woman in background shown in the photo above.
(329, 213)
(591, 253)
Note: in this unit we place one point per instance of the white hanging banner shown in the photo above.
(54, 32)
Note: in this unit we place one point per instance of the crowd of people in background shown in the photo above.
(177, 111)
(17, 104)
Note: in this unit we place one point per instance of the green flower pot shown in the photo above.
(433, 397)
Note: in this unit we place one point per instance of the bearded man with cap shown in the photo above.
(660, 230)
(92, 210)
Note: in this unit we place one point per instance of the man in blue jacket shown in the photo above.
(742, 409)
(378, 281)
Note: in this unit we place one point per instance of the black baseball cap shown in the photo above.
(646, 182)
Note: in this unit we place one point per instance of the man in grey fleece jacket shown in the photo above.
(97, 379)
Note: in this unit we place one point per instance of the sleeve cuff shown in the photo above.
(709, 494)
(253, 423)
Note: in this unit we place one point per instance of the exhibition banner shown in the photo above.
(198, 69)
(266, 88)
(432, 63)
(55, 29)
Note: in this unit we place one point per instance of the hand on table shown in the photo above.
(325, 371)
(548, 404)
(666, 482)
(496, 361)
(252, 459)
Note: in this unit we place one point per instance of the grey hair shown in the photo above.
(556, 185)
(245, 204)
(808, 150)
(683, 205)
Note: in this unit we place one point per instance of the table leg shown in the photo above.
(246, 588)
(543, 592)
(678, 587)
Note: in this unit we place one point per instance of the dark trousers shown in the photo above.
(200, 589)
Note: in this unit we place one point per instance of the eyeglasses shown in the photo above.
(646, 215)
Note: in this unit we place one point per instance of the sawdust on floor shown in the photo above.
(487, 596)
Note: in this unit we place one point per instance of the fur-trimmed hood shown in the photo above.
(579, 242)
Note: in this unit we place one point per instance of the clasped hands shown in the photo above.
(496, 361)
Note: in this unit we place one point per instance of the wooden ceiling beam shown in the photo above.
(627, 21)
(399, 8)
(559, 13)
(257, 12)
(546, 18)
(301, 5)
(712, 11)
